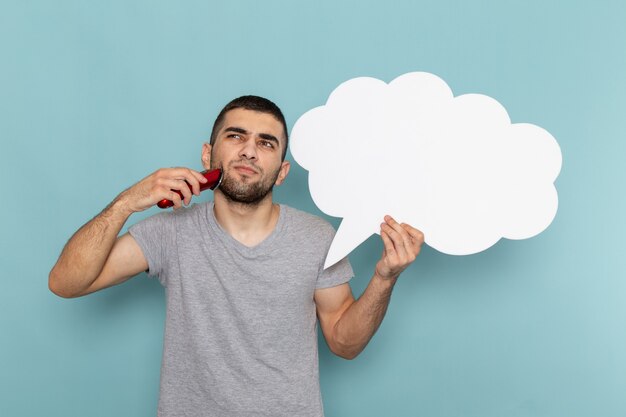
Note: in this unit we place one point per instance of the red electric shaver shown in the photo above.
(214, 178)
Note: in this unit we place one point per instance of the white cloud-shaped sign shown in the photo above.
(453, 167)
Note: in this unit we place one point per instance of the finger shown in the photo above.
(200, 177)
(193, 178)
(396, 240)
(186, 190)
(175, 198)
(179, 185)
(417, 238)
(389, 248)
(394, 224)
(406, 238)
(416, 234)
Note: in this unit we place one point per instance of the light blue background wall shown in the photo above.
(96, 95)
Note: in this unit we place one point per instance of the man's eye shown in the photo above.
(266, 144)
(234, 136)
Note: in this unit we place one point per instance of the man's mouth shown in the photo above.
(245, 169)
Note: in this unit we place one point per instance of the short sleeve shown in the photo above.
(334, 275)
(154, 236)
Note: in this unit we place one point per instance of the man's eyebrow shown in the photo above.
(265, 136)
(236, 130)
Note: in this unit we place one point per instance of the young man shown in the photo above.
(244, 276)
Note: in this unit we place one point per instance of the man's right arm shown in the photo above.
(95, 258)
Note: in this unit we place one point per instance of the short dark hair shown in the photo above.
(254, 103)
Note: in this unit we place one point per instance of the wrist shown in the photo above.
(119, 207)
(387, 280)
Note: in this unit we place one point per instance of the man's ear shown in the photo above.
(282, 173)
(206, 155)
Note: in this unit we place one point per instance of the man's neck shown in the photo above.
(249, 224)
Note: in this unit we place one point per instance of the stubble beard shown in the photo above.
(243, 192)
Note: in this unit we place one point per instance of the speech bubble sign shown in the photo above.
(454, 167)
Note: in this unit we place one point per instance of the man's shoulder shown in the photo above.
(302, 221)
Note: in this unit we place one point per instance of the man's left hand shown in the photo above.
(402, 245)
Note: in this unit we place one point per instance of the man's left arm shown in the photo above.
(349, 324)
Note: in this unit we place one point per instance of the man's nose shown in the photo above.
(248, 150)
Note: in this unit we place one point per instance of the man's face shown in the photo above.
(248, 148)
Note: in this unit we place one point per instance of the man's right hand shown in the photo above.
(95, 258)
(161, 185)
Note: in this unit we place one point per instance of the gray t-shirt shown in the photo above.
(241, 328)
